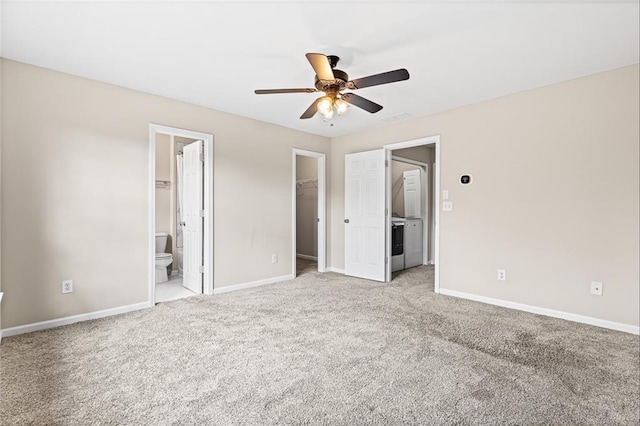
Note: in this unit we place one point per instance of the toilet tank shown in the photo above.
(161, 242)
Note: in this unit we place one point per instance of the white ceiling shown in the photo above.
(216, 53)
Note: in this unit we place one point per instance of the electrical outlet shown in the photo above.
(502, 274)
(274, 258)
(596, 288)
(67, 286)
(447, 206)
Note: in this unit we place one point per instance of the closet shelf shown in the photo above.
(163, 184)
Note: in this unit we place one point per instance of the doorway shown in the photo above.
(368, 211)
(423, 155)
(411, 193)
(180, 214)
(308, 212)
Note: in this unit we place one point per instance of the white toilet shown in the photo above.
(163, 260)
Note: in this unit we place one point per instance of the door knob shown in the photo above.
(346, 221)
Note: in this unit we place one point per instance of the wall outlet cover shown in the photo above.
(596, 288)
(67, 286)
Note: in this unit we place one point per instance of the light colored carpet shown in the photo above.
(305, 266)
(323, 349)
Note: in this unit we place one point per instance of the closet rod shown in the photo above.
(303, 181)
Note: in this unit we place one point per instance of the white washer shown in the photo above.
(412, 243)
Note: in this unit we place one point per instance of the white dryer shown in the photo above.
(412, 243)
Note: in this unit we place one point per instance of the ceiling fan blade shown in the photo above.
(272, 91)
(377, 79)
(311, 111)
(361, 102)
(321, 66)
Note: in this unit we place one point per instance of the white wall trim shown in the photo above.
(1, 294)
(306, 256)
(627, 328)
(252, 284)
(409, 161)
(208, 204)
(336, 270)
(322, 207)
(413, 142)
(43, 325)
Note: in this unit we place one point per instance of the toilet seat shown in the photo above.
(163, 255)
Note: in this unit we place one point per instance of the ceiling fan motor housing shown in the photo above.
(336, 85)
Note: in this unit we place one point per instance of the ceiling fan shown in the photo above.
(332, 82)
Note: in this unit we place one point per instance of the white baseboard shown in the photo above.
(336, 270)
(252, 284)
(43, 325)
(306, 256)
(1, 294)
(627, 328)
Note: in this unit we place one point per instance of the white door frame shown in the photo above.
(424, 182)
(430, 140)
(208, 204)
(322, 207)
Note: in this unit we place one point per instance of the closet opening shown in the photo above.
(308, 212)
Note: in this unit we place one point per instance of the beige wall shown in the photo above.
(74, 192)
(554, 199)
(307, 207)
(422, 153)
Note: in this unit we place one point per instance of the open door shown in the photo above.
(192, 231)
(364, 207)
(412, 193)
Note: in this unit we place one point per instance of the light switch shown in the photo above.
(447, 206)
(445, 194)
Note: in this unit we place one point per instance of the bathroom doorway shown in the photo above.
(181, 250)
(308, 212)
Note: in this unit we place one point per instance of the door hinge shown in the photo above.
(386, 163)
(386, 212)
(386, 260)
(202, 157)
(202, 269)
(318, 220)
(201, 213)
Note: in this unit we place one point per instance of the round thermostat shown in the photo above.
(465, 179)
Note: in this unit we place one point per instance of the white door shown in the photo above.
(364, 206)
(192, 232)
(412, 194)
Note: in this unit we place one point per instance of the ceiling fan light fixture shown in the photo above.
(341, 106)
(328, 115)
(325, 105)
